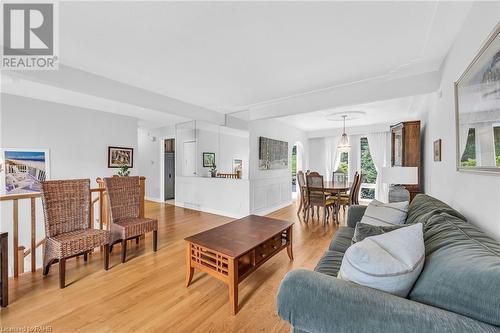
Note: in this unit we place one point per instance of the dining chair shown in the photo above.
(351, 197)
(316, 197)
(302, 192)
(66, 207)
(125, 223)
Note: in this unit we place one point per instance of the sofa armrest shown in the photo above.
(355, 214)
(316, 302)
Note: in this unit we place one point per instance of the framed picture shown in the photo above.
(273, 154)
(437, 150)
(23, 170)
(120, 156)
(237, 165)
(208, 160)
(477, 106)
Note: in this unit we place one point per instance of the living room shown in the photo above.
(248, 140)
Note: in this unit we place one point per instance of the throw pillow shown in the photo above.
(389, 262)
(364, 230)
(379, 213)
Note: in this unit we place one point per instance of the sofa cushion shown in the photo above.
(389, 262)
(423, 207)
(342, 239)
(462, 270)
(329, 263)
(379, 213)
(363, 230)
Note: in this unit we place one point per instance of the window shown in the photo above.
(344, 162)
(469, 156)
(496, 136)
(368, 171)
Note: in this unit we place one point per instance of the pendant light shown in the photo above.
(344, 145)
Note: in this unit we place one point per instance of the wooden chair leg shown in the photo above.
(324, 216)
(46, 269)
(137, 240)
(106, 256)
(85, 256)
(124, 250)
(62, 273)
(155, 240)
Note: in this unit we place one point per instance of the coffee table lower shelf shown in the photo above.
(233, 270)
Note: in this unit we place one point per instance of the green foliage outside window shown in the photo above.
(367, 167)
(294, 160)
(344, 162)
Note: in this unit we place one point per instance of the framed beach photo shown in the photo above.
(23, 170)
(208, 160)
(120, 156)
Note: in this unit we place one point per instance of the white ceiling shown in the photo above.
(381, 112)
(226, 55)
(231, 56)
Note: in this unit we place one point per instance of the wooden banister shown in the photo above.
(4, 268)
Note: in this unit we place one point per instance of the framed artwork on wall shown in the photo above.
(477, 106)
(23, 170)
(437, 150)
(208, 160)
(273, 154)
(238, 167)
(120, 156)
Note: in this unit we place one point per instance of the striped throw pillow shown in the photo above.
(385, 214)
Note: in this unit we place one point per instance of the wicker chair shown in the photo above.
(126, 224)
(66, 205)
(316, 197)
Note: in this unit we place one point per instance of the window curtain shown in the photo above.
(332, 156)
(464, 133)
(379, 150)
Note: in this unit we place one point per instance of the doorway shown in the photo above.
(169, 169)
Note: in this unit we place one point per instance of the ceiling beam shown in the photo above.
(73, 79)
(361, 92)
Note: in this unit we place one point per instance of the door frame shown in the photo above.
(162, 164)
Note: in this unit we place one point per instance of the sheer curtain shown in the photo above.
(332, 156)
(379, 149)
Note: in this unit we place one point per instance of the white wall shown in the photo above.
(272, 189)
(150, 160)
(228, 197)
(78, 140)
(317, 155)
(476, 196)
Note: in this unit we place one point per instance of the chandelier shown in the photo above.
(344, 145)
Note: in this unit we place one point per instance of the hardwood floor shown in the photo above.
(147, 294)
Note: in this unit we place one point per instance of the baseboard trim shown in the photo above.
(153, 199)
(268, 211)
(210, 210)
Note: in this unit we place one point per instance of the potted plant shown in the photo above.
(124, 171)
(213, 171)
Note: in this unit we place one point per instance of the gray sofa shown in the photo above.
(457, 291)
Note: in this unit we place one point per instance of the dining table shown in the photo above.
(335, 188)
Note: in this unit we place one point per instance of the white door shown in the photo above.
(189, 159)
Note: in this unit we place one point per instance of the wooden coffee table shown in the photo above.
(232, 251)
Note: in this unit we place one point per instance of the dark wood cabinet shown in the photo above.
(405, 150)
